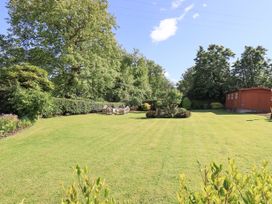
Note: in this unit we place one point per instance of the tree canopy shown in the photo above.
(214, 74)
(74, 42)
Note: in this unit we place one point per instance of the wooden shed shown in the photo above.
(256, 100)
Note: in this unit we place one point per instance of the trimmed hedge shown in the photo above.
(217, 105)
(186, 103)
(200, 104)
(63, 106)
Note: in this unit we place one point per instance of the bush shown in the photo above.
(151, 114)
(182, 113)
(24, 90)
(160, 113)
(186, 103)
(146, 107)
(217, 105)
(218, 186)
(87, 190)
(200, 104)
(171, 101)
(28, 103)
(63, 106)
(229, 186)
(10, 124)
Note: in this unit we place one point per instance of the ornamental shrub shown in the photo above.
(87, 190)
(229, 185)
(186, 103)
(216, 105)
(171, 101)
(182, 113)
(161, 113)
(146, 107)
(28, 103)
(10, 123)
(24, 90)
(151, 114)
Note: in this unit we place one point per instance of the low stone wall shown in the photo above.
(109, 110)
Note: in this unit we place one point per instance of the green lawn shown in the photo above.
(140, 159)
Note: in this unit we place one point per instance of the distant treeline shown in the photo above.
(214, 74)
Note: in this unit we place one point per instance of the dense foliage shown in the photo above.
(229, 186)
(168, 107)
(208, 78)
(64, 106)
(139, 79)
(218, 186)
(77, 34)
(24, 90)
(213, 74)
(253, 69)
(146, 107)
(217, 105)
(87, 190)
(74, 42)
(186, 103)
(10, 124)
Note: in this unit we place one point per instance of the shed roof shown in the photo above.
(251, 89)
(255, 88)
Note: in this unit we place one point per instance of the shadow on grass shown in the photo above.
(218, 112)
(144, 118)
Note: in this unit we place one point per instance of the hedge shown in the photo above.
(63, 106)
(217, 105)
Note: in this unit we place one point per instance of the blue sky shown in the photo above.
(170, 31)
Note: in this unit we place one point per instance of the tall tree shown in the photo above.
(185, 85)
(253, 69)
(158, 82)
(208, 78)
(78, 34)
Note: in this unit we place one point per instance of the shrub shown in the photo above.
(24, 90)
(171, 101)
(182, 113)
(186, 103)
(217, 105)
(200, 104)
(146, 107)
(10, 124)
(87, 190)
(29, 103)
(26, 76)
(134, 102)
(229, 186)
(160, 113)
(151, 114)
(63, 106)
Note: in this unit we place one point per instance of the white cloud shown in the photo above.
(166, 29)
(196, 15)
(189, 8)
(204, 5)
(166, 74)
(163, 9)
(169, 77)
(176, 3)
